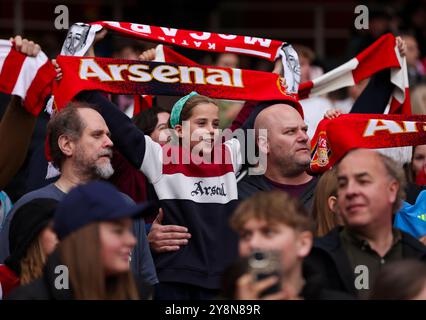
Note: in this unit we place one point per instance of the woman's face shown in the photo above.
(160, 134)
(203, 128)
(48, 240)
(419, 159)
(117, 241)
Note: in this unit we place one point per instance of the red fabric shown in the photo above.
(40, 89)
(380, 55)
(8, 280)
(225, 83)
(207, 41)
(14, 64)
(10, 71)
(334, 138)
(404, 108)
(421, 178)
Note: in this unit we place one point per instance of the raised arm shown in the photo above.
(16, 126)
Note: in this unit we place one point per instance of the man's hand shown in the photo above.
(402, 46)
(30, 48)
(98, 37)
(57, 69)
(167, 238)
(148, 55)
(278, 67)
(332, 113)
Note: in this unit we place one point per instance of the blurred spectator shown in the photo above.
(415, 173)
(31, 241)
(81, 149)
(418, 99)
(370, 190)
(416, 70)
(276, 222)
(411, 218)
(401, 280)
(227, 60)
(95, 214)
(418, 163)
(154, 122)
(324, 210)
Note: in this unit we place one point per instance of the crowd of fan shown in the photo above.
(128, 226)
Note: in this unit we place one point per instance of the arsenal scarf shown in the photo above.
(136, 77)
(27, 77)
(199, 40)
(80, 36)
(334, 138)
(382, 54)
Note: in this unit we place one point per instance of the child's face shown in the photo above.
(257, 234)
(203, 128)
(117, 241)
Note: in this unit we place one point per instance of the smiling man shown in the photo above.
(370, 191)
(287, 148)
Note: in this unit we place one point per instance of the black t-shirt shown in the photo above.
(293, 190)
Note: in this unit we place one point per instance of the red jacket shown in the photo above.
(8, 280)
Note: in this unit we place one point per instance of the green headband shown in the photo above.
(177, 109)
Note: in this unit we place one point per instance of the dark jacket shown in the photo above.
(251, 184)
(44, 288)
(314, 287)
(328, 258)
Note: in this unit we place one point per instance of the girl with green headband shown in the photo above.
(197, 197)
(201, 115)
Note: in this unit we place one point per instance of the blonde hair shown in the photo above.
(87, 277)
(33, 262)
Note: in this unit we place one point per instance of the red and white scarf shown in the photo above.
(199, 40)
(27, 77)
(135, 77)
(382, 54)
(334, 138)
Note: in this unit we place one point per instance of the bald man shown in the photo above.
(287, 148)
(370, 191)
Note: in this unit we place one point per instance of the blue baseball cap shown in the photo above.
(95, 202)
